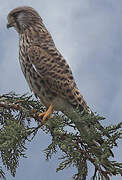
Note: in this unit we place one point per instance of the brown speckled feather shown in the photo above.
(56, 74)
(46, 71)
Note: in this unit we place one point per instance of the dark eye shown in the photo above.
(15, 15)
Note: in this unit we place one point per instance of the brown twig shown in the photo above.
(92, 160)
(106, 174)
(18, 107)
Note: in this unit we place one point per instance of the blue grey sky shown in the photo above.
(89, 35)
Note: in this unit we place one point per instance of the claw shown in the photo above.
(46, 114)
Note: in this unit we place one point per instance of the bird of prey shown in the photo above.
(45, 69)
(47, 72)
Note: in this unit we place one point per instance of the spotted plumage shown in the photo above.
(45, 69)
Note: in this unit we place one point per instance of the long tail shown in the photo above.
(77, 101)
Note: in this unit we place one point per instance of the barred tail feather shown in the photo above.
(78, 101)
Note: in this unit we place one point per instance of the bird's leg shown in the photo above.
(46, 114)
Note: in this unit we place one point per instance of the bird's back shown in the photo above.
(46, 71)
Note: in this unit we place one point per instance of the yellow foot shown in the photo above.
(46, 114)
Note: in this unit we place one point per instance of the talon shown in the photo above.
(46, 114)
(33, 111)
(42, 114)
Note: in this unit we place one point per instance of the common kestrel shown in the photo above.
(45, 69)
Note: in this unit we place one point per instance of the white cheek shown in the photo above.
(16, 28)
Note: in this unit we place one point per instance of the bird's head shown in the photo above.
(22, 17)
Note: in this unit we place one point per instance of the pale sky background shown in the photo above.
(89, 35)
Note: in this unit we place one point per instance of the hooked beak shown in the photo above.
(9, 25)
(10, 22)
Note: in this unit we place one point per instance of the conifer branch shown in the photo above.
(77, 145)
